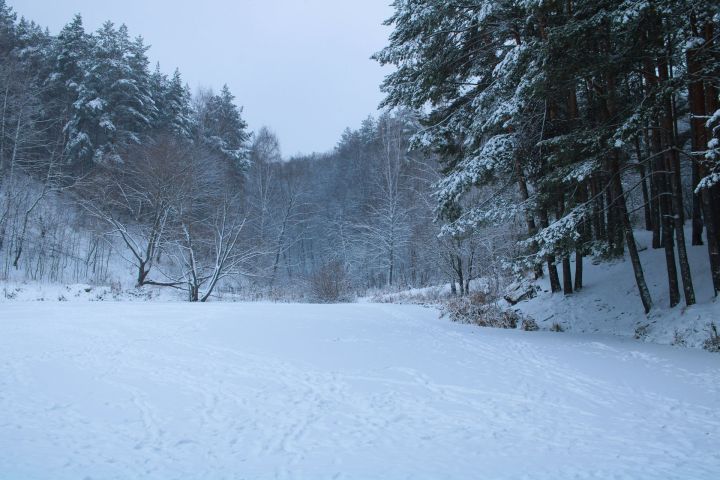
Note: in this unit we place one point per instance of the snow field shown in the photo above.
(362, 391)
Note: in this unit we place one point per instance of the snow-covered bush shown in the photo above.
(556, 327)
(712, 344)
(330, 284)
(470, 310)
(529, 325)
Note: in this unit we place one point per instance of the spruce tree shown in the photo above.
(224, 131)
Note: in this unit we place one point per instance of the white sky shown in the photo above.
(301, 67)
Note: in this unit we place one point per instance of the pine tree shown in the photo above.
(145, 110)
(224, 131)
(7, 29)
(114, 107)
(503, 82)
(174, 109)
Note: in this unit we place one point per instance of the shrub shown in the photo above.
(468, 310)
(679, 339)
(529, 325)
(712, 344)
(330, 284)
(641, 332)
(556, 327)
(116, 288)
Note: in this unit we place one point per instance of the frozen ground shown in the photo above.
(609, 302)
(258, 391)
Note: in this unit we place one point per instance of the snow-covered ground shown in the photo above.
(609, 302)
(363, 391)
(26, 291)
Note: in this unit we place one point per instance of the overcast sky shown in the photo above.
(301, 67)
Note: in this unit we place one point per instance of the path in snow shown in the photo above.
(257, 391)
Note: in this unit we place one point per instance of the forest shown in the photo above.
(517, 139)
(115, 172)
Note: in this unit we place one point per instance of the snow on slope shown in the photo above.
(80, 292)
(363, 391)
(609, 302)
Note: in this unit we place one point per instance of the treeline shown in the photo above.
(95, 146)
(113, 171)
(566, 108)
(538, 133)
(360, 218)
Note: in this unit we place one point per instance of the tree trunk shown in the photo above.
(697, 220)
(621, 206)
(566, 268)
(584, 237)
(672, 166)
(643, 184)
(667, 234)
(660, 178)
(630, 236)
(578, 270)
(597, 207)
(552, 268)
(567, 276)
(655, 205)
(460, 276)
(685, 273)
(710, 197)
(699, 139)
(529, 218)
(142, 274)
(712, 243)
(194, 293)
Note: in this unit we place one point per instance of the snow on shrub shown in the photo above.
(474, 310)
(330, 284)
(529, 325)
(712, 344)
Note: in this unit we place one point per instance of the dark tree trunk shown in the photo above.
(578, 270)
(529, 218)
(552, 267)
(553, 274)
(580, 199)
(643, 184)
(566, 268)
(142, 274)
(699, 139)
(584, 236)
(459, 273)
(655, 205)
(672, 166)
(685, 273)
(621, 206)
(712, 243)
(193, 293)
(597, 207)
(663, 187)
(656, 179)
(525, 195)
(567, 276)
(630, 236)
(710, 197)
(667, 237)
(667, 231)
(697, 221)
(614, 223)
